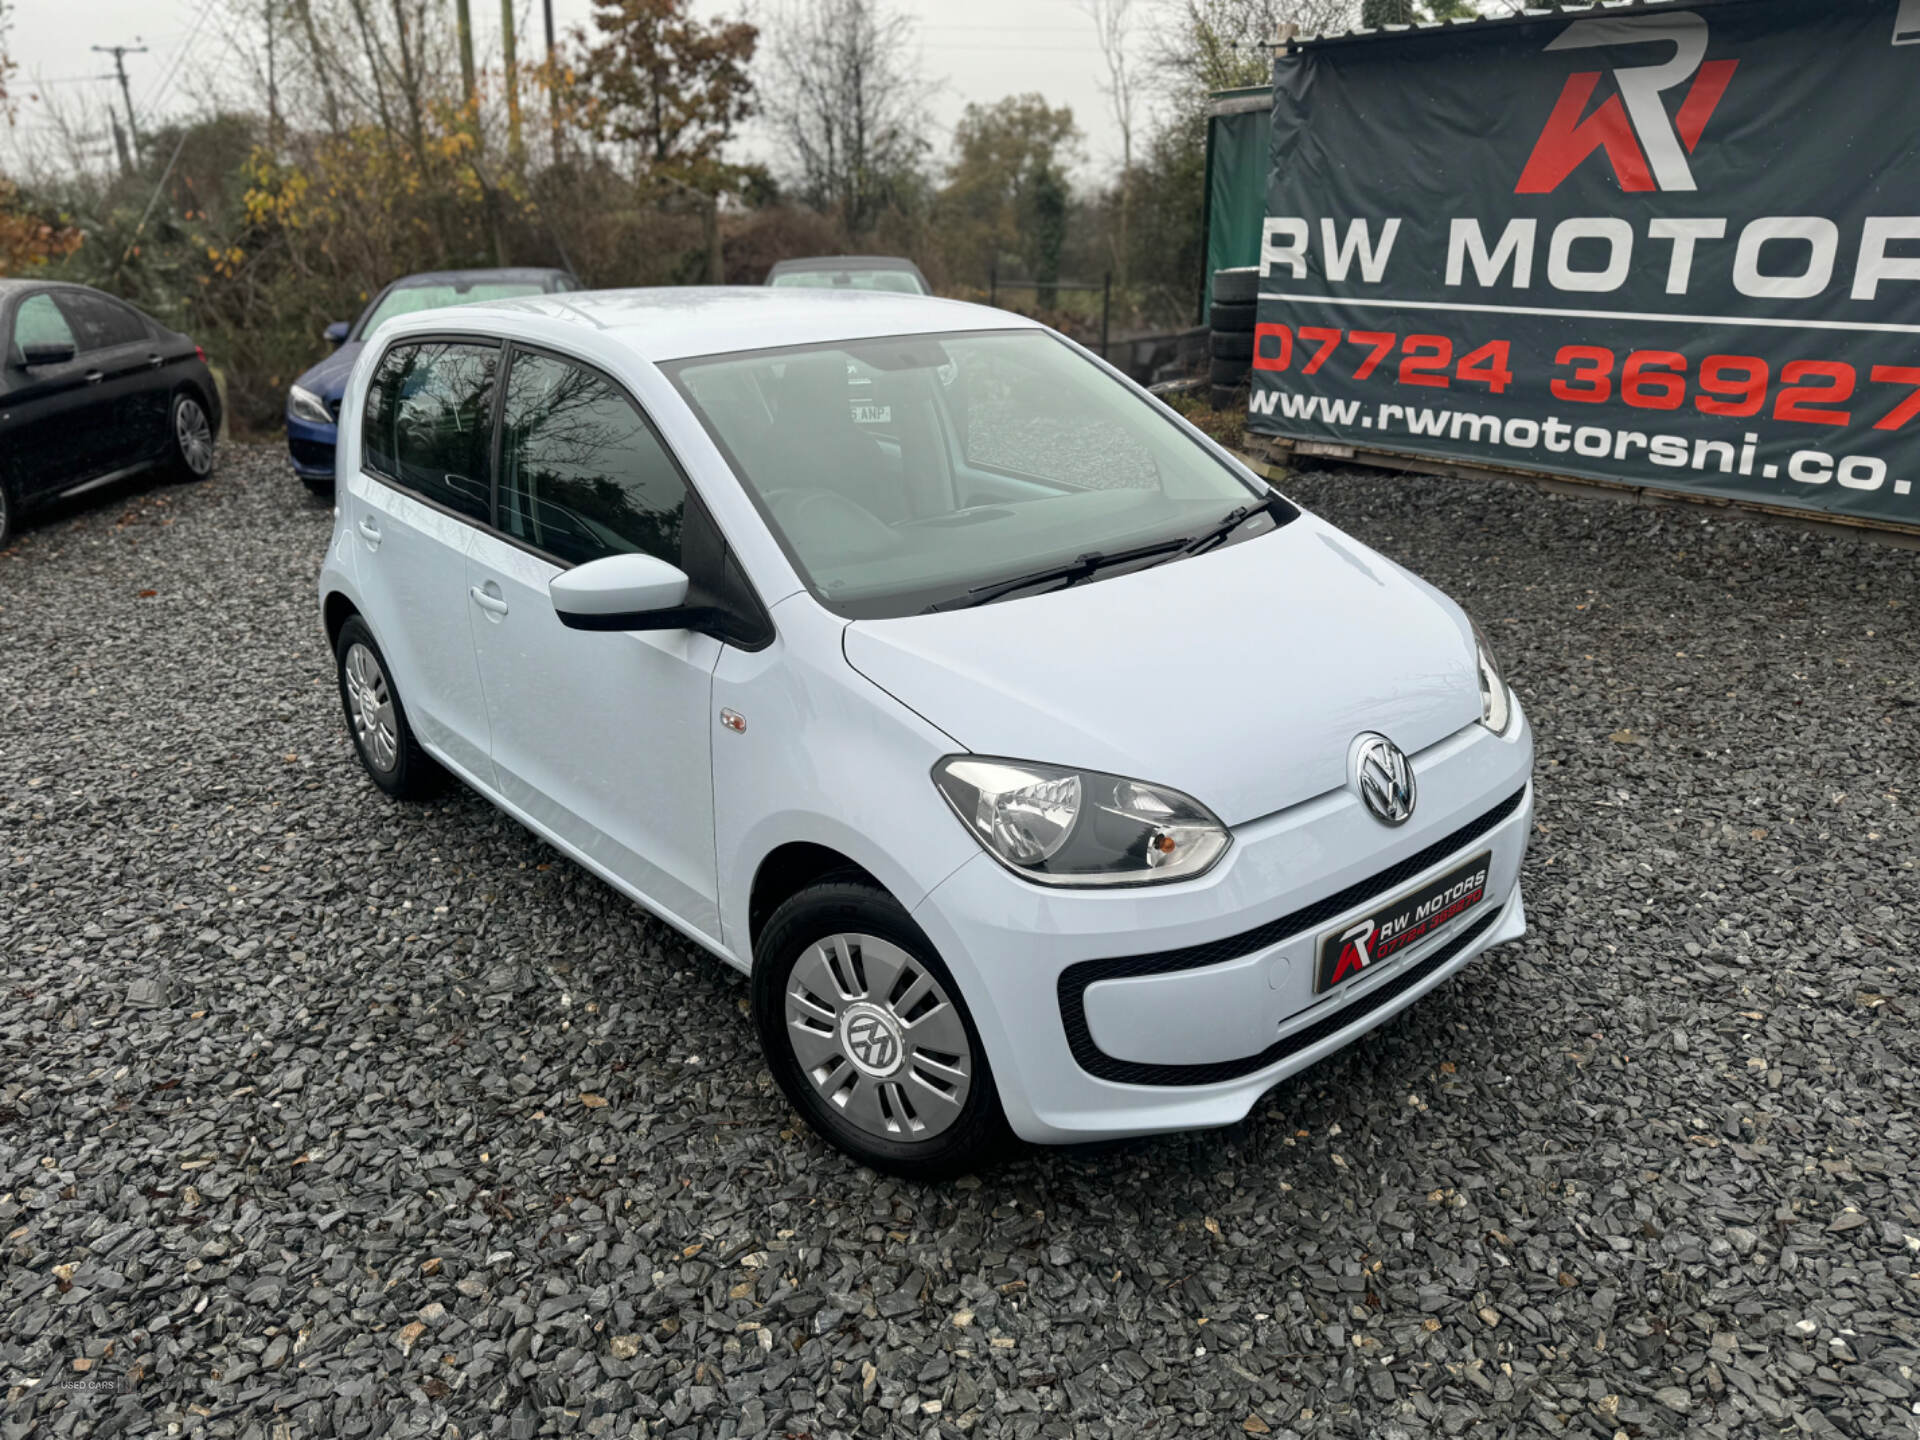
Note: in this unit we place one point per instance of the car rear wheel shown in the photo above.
(378, 721)
(6, 514)
(869, 1037)
(192, 437)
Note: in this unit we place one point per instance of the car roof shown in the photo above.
(21, 282)
(529, 273)
(673, 324)
(844, 262)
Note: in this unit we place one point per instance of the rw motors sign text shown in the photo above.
(1677, 247)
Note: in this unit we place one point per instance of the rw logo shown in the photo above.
(1647, 149)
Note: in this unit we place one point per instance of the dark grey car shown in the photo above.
(850, 272)
(92, 390)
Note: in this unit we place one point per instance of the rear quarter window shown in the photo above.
(38, 321)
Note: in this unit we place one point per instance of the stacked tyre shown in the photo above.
(1230, 335)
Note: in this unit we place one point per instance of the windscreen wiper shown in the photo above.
(1071, 573)
(1230, 522)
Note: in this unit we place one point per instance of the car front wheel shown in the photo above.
(869, 1037)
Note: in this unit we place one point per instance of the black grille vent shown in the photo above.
(1075, 978)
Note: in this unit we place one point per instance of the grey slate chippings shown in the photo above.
(321, 1116)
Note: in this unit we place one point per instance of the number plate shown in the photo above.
(1400, 922)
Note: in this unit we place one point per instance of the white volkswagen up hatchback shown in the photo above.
(1042, 767)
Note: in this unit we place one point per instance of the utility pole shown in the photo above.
(120, 53)
(509, 46)
(120, 143)
(463, 24)
(273, 84)
(553, 81)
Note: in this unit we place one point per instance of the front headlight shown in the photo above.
(1080, 827)
(1496, 704)
(303, 404)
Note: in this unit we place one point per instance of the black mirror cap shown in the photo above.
(680, 617)
(730, 627)
(56, 354)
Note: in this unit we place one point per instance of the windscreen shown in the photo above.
(915, 471)
(409, 299)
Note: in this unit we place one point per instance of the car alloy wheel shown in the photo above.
(370, 708)
(193, 433)
(878, 1037)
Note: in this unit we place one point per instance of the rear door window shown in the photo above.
(582, 474)
(100, 323)
(428, 425)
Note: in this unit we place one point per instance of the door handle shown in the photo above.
(492, 604)
(94, 377)
(370, 532)
(155, 361)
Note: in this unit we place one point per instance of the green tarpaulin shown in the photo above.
(1239, 151)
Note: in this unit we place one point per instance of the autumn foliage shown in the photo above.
(378, 144)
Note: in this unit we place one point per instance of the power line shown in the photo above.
(156, 92)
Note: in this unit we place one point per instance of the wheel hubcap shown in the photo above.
(195, 435)
(370, 704)
(878, 1037)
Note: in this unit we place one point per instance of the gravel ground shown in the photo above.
(324, 1116)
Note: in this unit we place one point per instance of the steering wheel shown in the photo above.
(964, 515)
(828, 521)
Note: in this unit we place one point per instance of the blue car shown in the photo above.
(313, 404)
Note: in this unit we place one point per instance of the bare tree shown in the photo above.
(1113, 32)
(407, 30)
(6, 65)
(1211, 45)
(848, 106)
(320, 63)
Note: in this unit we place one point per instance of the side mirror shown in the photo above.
(336, 333)
(621, 592)
(47, 353)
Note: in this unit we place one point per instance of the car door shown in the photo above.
(422, 489)
(119, 357)
(603, 738)
(50, 446)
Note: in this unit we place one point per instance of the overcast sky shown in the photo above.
(977, 50)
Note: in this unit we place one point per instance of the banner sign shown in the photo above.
(1670, 246)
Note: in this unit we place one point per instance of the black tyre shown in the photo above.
(1227, 397)
(1228, 372)
(378, 721)
(1230, 345)
(190, 429)
(6, 513)
(869, 1037)
(1232, 315)
(1239, 284)
(323, 489)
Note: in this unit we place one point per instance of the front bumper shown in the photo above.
(311, 448)
(1107, 1013)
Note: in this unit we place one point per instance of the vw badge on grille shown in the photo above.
(1384, 778)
